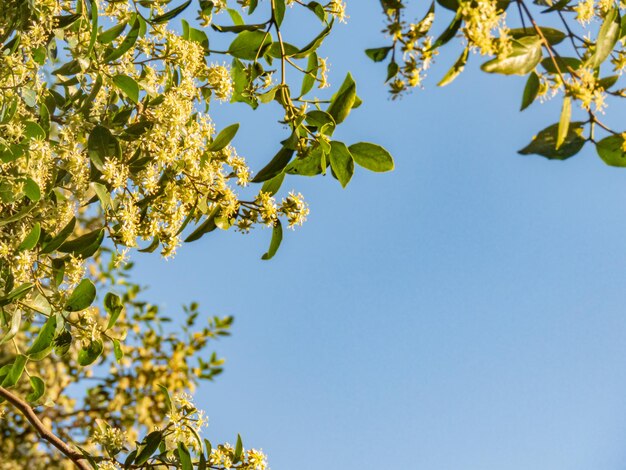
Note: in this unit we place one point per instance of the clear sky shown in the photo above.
(465, 312)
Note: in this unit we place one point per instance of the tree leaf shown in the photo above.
(84, 245)
(111, 34)
(277, 238)
(170, 14)
(184, 457)
(523, 59)
(103, 195)
(372, 157)
(530, 90)
(378, 54)
(127, 43)
(117, 350)
(113, 306)
(272, 186)
(544, 143)
(58, 240)
(607, 38)
(87, 355)
(149, 447)
(129, 86)
(552, 35)
(224, 138)
(566, 114)
(341, 162)
(15, 372)
(31, 189)
(238, 450)
(275, 166)
(101, 145)
(82, 297)
(43, 342)
(611, 150)
(308, 80)
(343, 101)
(249, 45)
(30, 240)
(456, 69)
(38, 387)
(16, 320)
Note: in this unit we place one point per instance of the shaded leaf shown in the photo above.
(544, 143)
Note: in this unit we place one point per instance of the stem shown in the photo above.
(25, 409)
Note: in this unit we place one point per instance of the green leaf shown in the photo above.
(544, 143)
(32, 130)
(184, 457)
(129, 86)
(82, 297)
(315, 43)
(279, 11)
(372, 157)
(205, 227)
(84, 244)
(378, 54)
(530, 90)
(449, 32)
(103, 195)
(310, 165)
(249, 45)
(127, 43)
(272, 186)
(62, 343)
(15, 372)
(149, 447)
(32, 191)
(117, 350)
(87, 355)
(58, 240)
(564, 64)
(607, 38)
(42, 344)
(566, 115)
(16, 321)
(523, 59)
(101, 145)
(238, 450)
(170, 14)
(16, 293)
(30, 241)
(611, 150)
(456, 69)
(38, 387)
(343, 101)
(308, 81)
(277, 238)
(224, 138)
(552, 35)
(113, 306)
(196, 35)
(341, 162)
(111, 34)
(275, 166)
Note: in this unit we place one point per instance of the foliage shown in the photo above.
(573, 49)
(107, 145)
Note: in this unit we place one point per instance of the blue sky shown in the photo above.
(463, 312)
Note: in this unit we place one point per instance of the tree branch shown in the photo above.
(41, 429)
